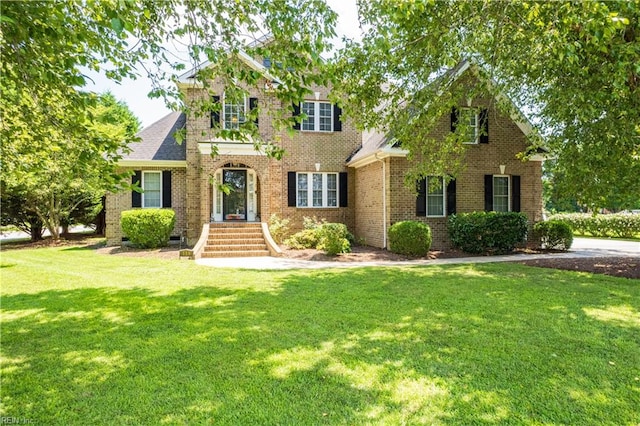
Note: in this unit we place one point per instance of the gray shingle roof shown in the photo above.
(157, 142)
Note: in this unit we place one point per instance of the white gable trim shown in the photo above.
(228, 147)
(379, 154)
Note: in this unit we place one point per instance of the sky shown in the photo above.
(134, 92)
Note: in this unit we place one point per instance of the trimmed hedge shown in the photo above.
(487, 232)
(410, 238)
(554, 234)
(620, 225)
(148, 228)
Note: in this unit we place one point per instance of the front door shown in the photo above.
(235, 201)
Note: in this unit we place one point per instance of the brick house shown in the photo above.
(329, 170)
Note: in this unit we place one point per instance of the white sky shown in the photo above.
(134, 92)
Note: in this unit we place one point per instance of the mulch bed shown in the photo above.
(627, 267)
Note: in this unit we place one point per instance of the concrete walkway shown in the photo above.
(582, 247)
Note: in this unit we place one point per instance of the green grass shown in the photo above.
(96, 339)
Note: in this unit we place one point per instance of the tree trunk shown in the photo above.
(36, 231)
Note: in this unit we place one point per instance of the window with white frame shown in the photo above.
(319, 116)
(469, 119)
(501, 193)
(152, 187)
(317, 190)
(435, 196)
(233, 112)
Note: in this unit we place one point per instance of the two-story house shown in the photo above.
(329, 170)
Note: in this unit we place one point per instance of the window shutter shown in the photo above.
(296, 112)
(421, 199)
(344, 194)
(454, 119)
(166, 188)
(291, 189)
(337, 118)
(515, 193)
(215, 114)
(136, 197)
(253, 104)
(484, 125)
(451, 197)
(488, 193)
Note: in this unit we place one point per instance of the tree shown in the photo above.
(573, 66)
(45, 46)
(58, 177)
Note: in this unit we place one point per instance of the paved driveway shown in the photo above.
(582, 247)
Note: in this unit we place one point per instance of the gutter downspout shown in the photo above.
(384, 200)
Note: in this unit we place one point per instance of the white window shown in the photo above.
(435, 196)
(152, 187)
(468, 118)
(319, 116)
(317, 190)
(501, 192)
(233, 112)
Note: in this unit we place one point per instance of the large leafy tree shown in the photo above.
(572, 66)
(55, 177)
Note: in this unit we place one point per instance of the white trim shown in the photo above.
(142, 197)
(187, 80)
(379, 154)
(153, 163)
(227, 147)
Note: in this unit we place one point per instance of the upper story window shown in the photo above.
(469, 118)
(319, 116)
(233, 113)
(435, 196)
(317, 190)
(152, 187)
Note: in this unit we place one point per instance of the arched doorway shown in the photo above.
(235, 194)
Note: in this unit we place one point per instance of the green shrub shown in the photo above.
(278, 228)
(620, 225)
(487, 232)
(148, 228)
(305, 239)
(554, 234)
(410, 238)
(333, 238)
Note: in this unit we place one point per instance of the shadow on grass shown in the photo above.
(420, 345)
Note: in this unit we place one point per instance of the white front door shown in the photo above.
(240, 204)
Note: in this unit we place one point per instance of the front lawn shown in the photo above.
(97, 339)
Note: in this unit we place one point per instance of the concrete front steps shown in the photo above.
(235, 239)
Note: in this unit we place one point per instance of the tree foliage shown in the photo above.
(573, 65)
(61, 175)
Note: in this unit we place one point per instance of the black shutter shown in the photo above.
(296, 112)
(291, 189)
(344, 194)
(337, 118)
(451, 197)
(136, 197)
(515, 193)
(166, 188)
(454, 119)
(215, 113)
(488, 193)
(253, 104)
(484, 125)
(421, 199)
